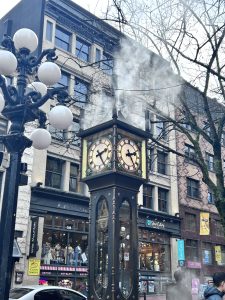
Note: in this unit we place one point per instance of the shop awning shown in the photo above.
(16, 250)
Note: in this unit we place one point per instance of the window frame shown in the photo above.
(63, 41)
(74, 176)
(209, 158)
(148, 196)
(163, 202)
(81, 94)
(59, 173)
(162, 164)
(189, 222)
(189, 151)
(189, 249)
(107, 63)
(81, 53)
(193, 193)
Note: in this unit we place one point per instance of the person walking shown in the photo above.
(178, 290)
(217, 291)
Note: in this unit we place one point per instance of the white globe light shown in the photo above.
(25, 38)
(49, 73)
(8, 62)
(38, 87)
(60, 117)
(2, 103)
(41, 138)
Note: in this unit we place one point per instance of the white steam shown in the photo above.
(141, 79)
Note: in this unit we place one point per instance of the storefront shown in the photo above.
(155, 233)
(64, 242)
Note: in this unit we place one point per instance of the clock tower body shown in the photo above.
(114, 167)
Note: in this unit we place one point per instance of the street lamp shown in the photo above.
(20, 104)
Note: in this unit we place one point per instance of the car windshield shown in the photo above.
(19, 292)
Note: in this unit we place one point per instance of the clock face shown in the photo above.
(100, 154)
(128, 154)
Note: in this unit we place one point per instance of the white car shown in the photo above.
(40, 292)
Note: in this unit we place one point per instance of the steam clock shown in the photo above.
(114, 167)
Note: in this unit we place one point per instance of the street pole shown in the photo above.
(20, 106)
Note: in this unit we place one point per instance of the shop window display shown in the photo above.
(154, 252)
(64, 244)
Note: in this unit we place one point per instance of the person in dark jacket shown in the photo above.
(178, 290)
(217, 291)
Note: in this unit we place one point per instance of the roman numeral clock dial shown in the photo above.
(100, 154)
(128, 154)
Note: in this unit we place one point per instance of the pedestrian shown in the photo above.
(217, 291)
(178, 290)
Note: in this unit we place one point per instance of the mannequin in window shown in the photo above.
(156, 262)
(46, 253)
(58, 253)
(77, 253)
(68, 253)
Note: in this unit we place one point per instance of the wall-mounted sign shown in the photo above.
(155, 224)
(19, 277)
(218, 254)
(194, 264)
(204, 223)
(33, 237)
(180, 249)
(34, 267)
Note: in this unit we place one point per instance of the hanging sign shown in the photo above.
(218, 255)
(204, 223)
(34, 267)
(180, 248)
(33, 237)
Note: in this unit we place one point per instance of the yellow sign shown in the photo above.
(204, 223)
(218, 255)
(34, 267)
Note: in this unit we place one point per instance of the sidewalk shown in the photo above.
(153, 297)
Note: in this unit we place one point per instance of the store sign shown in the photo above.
(218, 254)
(194, 264)
(33, 237)
(34, 267)
(155, 224)
(64, 269)
(204, 223)
(180, 249)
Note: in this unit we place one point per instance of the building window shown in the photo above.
(161, 128)
(107, 63)
(3, 130)
(163, 200)
(73, 177)
(210, 161)
(151, 159)
(154, 251)
(97, 57)
(147, 196)
(211, 197)
(82, 50)
(64, 80)
(206, 253)
(49, 30)
(193, 188)
(53, 175)
(219, 231)
(62, 38)
(189, 152)
(65, 241)
(81, 90)
(74, 139)
(208, 131)
(191, 250)
(190, 222)
(162, 162)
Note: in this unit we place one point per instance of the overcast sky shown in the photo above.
(94, 6)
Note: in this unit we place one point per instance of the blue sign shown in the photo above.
(180, 248)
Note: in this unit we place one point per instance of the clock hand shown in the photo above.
(100, 154)
(129, 154)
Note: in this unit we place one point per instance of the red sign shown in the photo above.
(194, 264)
(62, 268)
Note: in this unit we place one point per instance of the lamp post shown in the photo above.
(20, 104)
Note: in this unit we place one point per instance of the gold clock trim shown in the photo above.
(143, 158)
(84, 158)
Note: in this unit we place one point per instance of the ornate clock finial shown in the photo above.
(114, 112)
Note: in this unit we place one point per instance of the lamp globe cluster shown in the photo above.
(25, 42)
